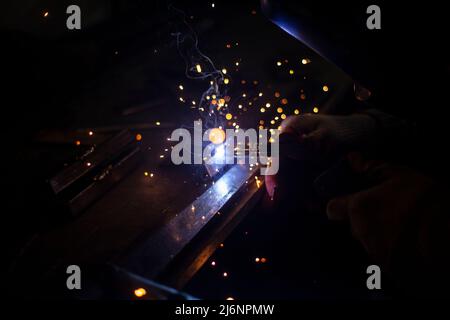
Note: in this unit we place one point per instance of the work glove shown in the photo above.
(329, 133)
(403, 212)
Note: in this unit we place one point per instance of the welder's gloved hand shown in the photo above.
(329, 133)
(402, 212)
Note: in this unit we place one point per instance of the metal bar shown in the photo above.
(194, 256)
(108, 178)
(152, 255)
(102, 154)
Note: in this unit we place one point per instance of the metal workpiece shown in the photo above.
(183, 239)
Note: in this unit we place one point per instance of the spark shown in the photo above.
(305, 61)
(140, 292)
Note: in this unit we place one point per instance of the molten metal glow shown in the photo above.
(217, 136)
(140, 292)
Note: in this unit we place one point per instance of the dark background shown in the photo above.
(57, 81)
